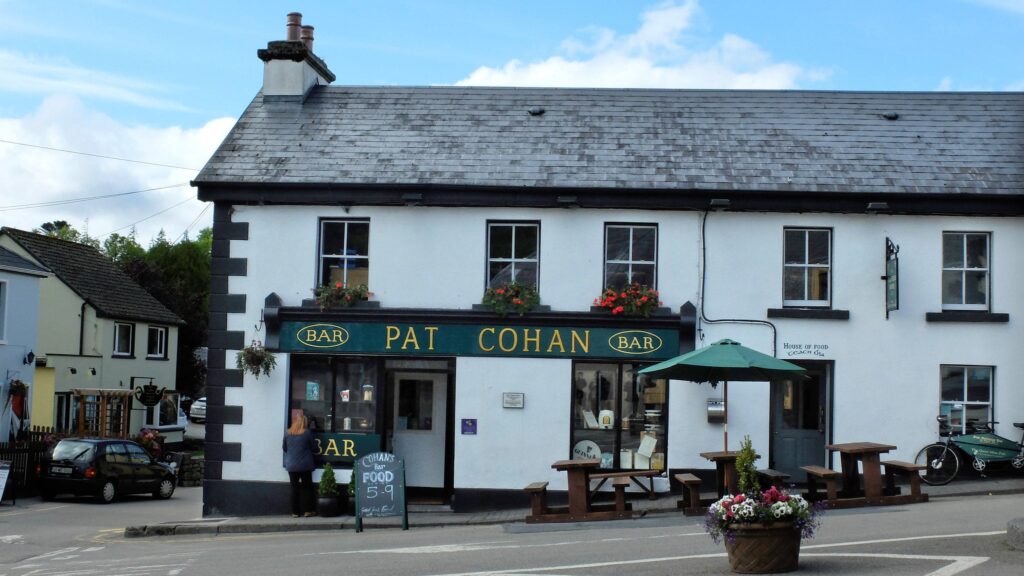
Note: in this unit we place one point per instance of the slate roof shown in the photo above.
(11, 262)
(95, 278)
(802, 141)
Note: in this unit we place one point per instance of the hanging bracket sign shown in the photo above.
(892, 277)
(380, 488)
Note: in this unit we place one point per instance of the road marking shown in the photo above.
(905, 539)
(31, 510)
(959, 563)
(10, 539)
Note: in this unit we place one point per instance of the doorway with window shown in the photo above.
(801, 415)
(417, 430)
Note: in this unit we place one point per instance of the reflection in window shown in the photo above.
(335, 394)
(807, 267)
(512, 254)
(345, 253)
(630, 255)
(415, 405)
(966, 395)
(965, 268)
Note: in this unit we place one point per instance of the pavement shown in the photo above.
(421, 516)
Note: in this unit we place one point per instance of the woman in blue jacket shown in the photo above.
(298, 461)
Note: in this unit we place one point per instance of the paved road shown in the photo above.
(945, 537)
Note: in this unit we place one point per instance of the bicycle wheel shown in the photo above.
(942, 464)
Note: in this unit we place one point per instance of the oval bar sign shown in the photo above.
(322, 336)
(635, 342)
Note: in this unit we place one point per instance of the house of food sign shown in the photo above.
(478, 340)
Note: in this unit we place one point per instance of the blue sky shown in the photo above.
(162, 82)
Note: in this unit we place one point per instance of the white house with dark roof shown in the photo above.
(100, 335)
(870, 237)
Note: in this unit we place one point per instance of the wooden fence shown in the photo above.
(23, 456)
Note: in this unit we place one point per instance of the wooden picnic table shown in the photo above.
(578, 473)
(580, 508)
(633, 475)
(725, 470)
(867, 453)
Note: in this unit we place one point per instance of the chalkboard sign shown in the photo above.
(380, 488)
(5, 471)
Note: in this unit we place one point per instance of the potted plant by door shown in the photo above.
(762, 529)
(328, 501)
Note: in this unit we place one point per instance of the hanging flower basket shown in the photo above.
(339, 295)
(633, 300)
(511, 297)
(256, 360)
(18, 388)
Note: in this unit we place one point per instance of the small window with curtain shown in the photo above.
(345, 253)
(631, 255)
(807, 270)
(965, 271)
(513, 253)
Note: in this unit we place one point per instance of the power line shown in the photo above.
(189, 199)
(182, 237)
(84, 198)
(97, 155)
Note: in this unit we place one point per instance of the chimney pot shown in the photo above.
(307, 37)
(294, 23)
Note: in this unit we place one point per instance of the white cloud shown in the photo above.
(33, 175)
(657, 55)
(1007, 5)
(26, 74)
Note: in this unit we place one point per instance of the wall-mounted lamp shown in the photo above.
(29, 358)
(878, 206)
(568, 201)
(72, 370)
(719, 203)
(92, 371)
(412, 198)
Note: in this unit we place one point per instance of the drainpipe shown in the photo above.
(81, 330)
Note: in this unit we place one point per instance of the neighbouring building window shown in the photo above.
(966, 395)
(3, 311)
(630, 255)
(165, 413)
(513, 253)
(156, 346)
(124, 339)
(345, 252)
(965, 270)
(807, 268)
(619, 416)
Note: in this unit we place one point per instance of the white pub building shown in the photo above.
(873, 238)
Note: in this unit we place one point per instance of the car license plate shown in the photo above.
(60, 469)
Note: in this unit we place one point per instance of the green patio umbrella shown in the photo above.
(723, 361)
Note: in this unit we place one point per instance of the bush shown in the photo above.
(328, 486)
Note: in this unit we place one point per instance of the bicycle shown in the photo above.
(980, 445)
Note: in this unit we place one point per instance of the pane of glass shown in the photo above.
(817, 283)
(618, 243)
(169, 410)
(978, 384)
(124, 339)
(415, 405)
(952, 287)
(356, 397)
(975, 288)
(977, 414)
(793, 283)
(817, 248)
(643, 274)
(526, 273)
(952, 383)
(594, 418)
(809, 404)
(526, 242)
(953, 250)
(357, 272)
(795, 249)
(501, 241)
(153, 345)
(956, 416)
(333, 240)
(977, 250)
(616, 275)
(500, 273)
(790, 405)
(644, 241)
(311, 391)
(358, 239)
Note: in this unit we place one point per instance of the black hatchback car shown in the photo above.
(103, 468)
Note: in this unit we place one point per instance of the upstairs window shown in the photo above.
(630, 255)
(513, 253)
(345, 252)
(156, 346)
(965, 270)
(807, 267)
(124, 339)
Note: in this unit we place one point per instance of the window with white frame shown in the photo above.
(156, 343)
(3, 311)
(630, 255)
(513, 253)
(965, 270)
(966, 395)
(165, 413)
(124, 337)
(345, 252)
(807, 267)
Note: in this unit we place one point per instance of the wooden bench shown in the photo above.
(538, 492)
(633, 475)
(826, 475)
(690, 502)
(771, 477)
(620, 484)
(908, 469)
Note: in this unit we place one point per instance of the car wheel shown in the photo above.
(165, 489)
(107, 493)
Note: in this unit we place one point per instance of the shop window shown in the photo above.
(3, 311)
(345, 252)
(966, 393)
(619, 416)
(156, 345)
(965, 271)
(807, 267)
(165, 413)
(630, 255)
(336, 394)
(513, 253)
(124, 337)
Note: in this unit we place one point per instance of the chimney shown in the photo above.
(290, 69)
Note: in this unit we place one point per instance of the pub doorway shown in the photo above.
(801, 419)
(417, 421)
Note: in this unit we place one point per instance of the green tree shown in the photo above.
(121, 249)
(61, 229)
